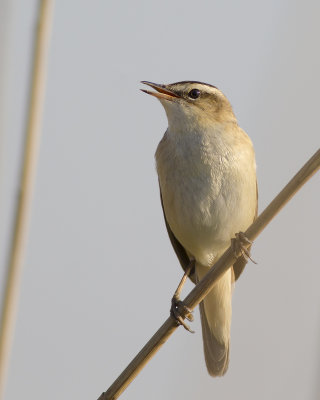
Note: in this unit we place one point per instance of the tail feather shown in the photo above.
(215, 311)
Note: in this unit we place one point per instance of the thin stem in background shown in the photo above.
(22, 213)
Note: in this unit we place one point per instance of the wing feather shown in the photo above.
(178, 248)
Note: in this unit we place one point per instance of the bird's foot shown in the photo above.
(239, 245)
(179, 311)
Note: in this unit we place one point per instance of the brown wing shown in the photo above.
(178, 248)
(239, 265)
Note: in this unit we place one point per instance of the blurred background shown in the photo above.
(99, 270)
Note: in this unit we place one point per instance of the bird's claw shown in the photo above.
(179, 311)
(238, 245)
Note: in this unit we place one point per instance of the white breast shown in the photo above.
(208, 186)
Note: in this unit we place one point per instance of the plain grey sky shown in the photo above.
(99, 270)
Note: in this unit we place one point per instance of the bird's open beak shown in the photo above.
(161, 91)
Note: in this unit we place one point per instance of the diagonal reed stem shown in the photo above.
(205, 285)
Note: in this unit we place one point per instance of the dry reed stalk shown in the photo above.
(22, 213)
(205, 285)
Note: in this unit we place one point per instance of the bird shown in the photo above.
(207, 176)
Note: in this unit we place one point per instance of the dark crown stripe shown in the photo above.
(201, 83)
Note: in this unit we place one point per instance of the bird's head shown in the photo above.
(192, 103)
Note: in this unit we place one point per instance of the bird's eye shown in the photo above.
(194, 93)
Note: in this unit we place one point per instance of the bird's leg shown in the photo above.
(178, 309)
(238, 245)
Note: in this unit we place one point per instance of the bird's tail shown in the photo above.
(215, 312)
